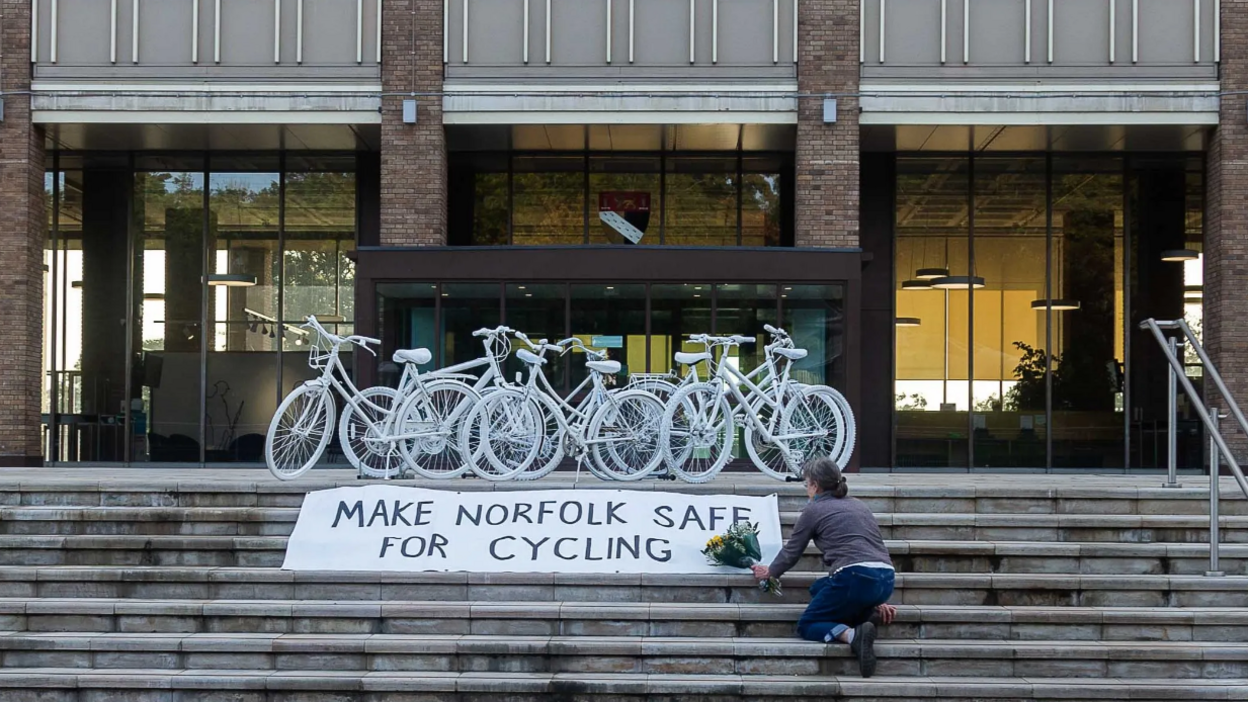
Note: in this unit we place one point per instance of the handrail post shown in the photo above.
(1215, 464)
(1172, 418)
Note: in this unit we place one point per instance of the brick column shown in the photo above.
(1226, 225)
(22, 231)
(827, 154)
(413, 156)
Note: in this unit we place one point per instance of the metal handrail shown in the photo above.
(1176, 368)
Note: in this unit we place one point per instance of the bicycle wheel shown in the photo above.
(435, 417)
(506, 425)
(550, 452)
(849, 429)
(662, 389)
(299, 431)
(814, 419)
(362, 432)
(767, 456)
(696, 432)
(623, 435)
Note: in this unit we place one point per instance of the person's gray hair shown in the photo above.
(826, 474)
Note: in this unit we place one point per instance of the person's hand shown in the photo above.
(761, 572)
(887, 613)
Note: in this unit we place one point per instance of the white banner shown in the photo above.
(392, 528)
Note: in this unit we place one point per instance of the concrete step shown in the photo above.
(147, 685)
(704, 655)
(985, 493)
(908, 526)
(606, 619)
(912, 588)
(908, 556)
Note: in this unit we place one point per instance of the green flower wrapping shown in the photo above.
(738, 548)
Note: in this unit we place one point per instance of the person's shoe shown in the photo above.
(863, 646)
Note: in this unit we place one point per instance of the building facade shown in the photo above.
(962, 208)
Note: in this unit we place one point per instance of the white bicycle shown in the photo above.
(617, 430)
(381, 429)
(786, 423)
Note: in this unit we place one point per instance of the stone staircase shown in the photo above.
(165, 586)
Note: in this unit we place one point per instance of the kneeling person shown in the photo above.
(847, 605)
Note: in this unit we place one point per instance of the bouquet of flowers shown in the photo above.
(738, 548)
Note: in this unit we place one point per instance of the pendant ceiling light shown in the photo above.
(1059, 305)
(1177, 255)
(232, 280)
(931, 273)
(958, 282)
(909, 322)
(916, 285)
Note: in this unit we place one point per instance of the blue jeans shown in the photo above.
(842, 601)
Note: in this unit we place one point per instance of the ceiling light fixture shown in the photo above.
(958, 282)
(153, 296)
(1176, 255)
(909, 322)
(1058, 305)
(916, 284)
(931, 273)
(232, 280)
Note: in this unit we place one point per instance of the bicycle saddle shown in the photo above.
(530, 358)
(689, 359)
(418, 356)
(604, 367)
(792, 354)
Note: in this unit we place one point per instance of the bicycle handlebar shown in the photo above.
(486, 331)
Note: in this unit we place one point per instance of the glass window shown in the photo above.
(1087, 352)
(612, 317)
(682, 198)
(540, 311)
(815, 317)
(744, 310)
(629, 186)
(243, 237)
(548, 200)
(762, 214)
(170, 273)
(933, 233)
(318, 277)
(406, 311)
(466, 307)
(700, 201)
(1009, 426)
(677, 311)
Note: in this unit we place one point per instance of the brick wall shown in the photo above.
(1226, 221)
(22, 234)
(413, 156)
(827, 154)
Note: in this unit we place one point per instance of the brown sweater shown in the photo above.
(844, 530)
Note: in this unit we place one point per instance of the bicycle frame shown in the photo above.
(773, 382)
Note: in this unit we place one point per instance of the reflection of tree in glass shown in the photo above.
(760, 209)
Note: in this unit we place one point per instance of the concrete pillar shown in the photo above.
(827, 154)
(413, 156)
(22, 232)
(1226, 223)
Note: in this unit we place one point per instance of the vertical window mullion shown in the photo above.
(1048, 311)
(970, 308)
(205, 291)
(740, 192)
(281, 268)
(54, 443)
(128, 436)
(585, 194)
